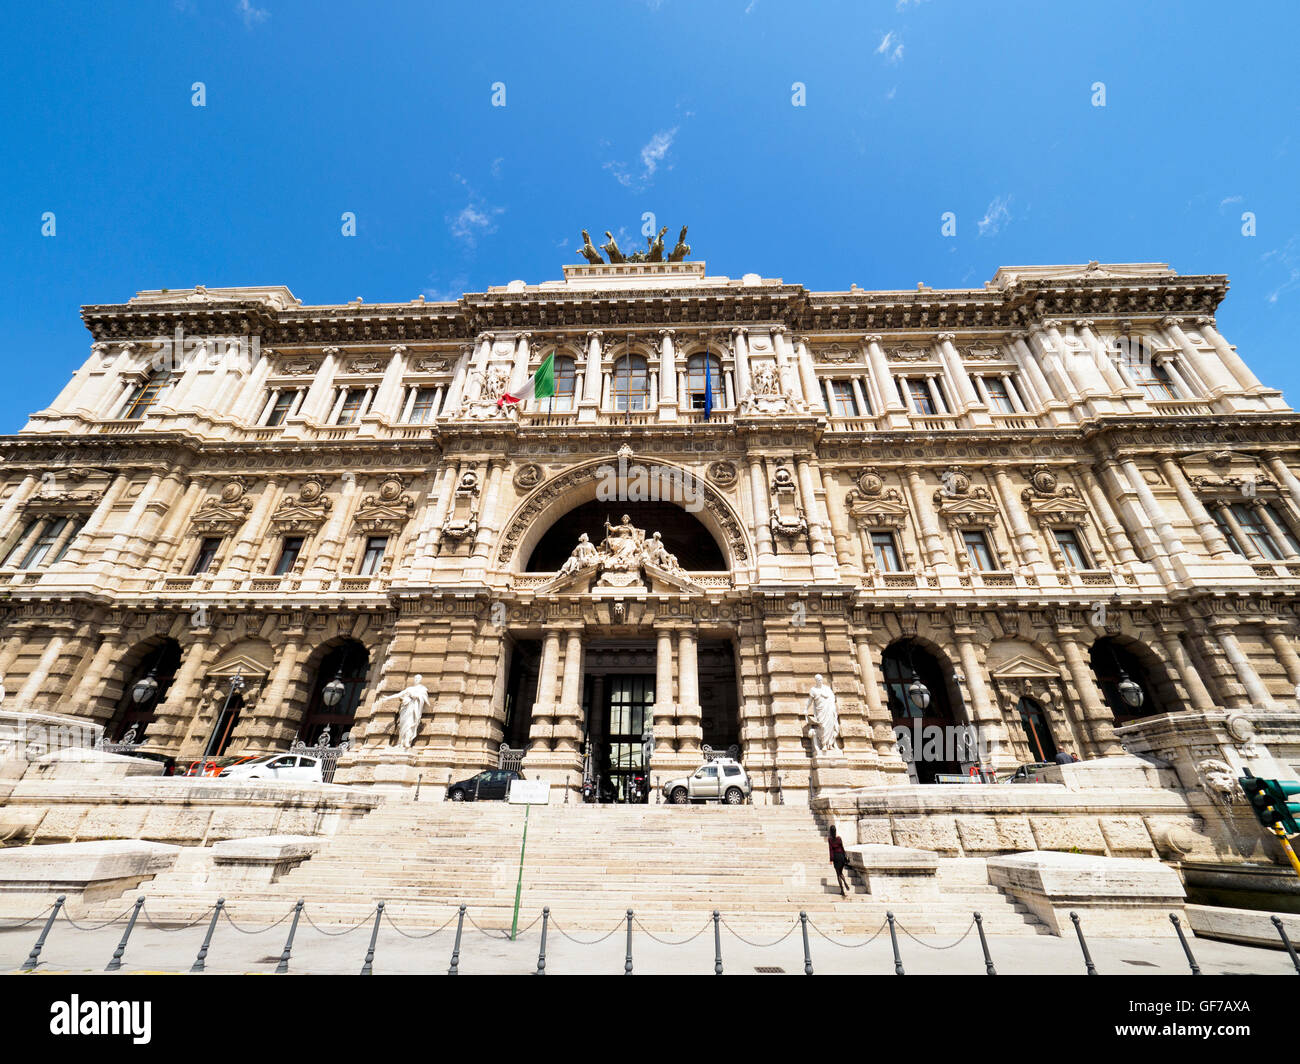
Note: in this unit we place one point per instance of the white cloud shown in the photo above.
(1286, 259)
(903, 5)
(1229, 199)
(653, 154)
(250, 14)
(449, 293)
(995, 217)
(891, 47)
(475, 219)
(750, 8)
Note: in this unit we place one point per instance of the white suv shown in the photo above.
(720, 780)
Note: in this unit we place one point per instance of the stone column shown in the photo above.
(21, 494)
(329, 544)
(1211, 370)
(320, 394)
(1284, 475)
(690, 735)
(1236, 366)
(130, 525)
(766, 561)
(970, 403)
(1238, 533)
(178, 516)
(488, 519)
(456, 389)
(664, 711)
(879, 719)
(173, 713)
(1221, 628)
(388, 397)
(1205, 524)
(838, 519)
(1025, 538)
(519, 368)
(1030, 371)
(987, 719)
(812, 392)
(785, 362)
(668, 376)
(567, 732)
(931, 539)
(271, 705)
(1117, 538)
(739, 338)
(1098, 720)
(1279, 639)
(1278, 534)
(544, 710)
(81, 546)
(1169, 540)
(823, 564)
(240, 560)
(25, 701)
(1177, 654)
(589, 406)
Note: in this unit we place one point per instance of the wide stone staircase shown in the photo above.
(758, 865)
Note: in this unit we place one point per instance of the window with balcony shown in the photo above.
(289, 551)
(422, 406)
(374, 554)
(1256, 531)
(566, 387)
(695, 370)
(977, 550)
(1071, 548)
(1154, 380)
(999, 397)
(40, 537)
(206, 555)
(885, 548)
(923, 400)
(631, 384)
(145, 394)
(843, 402)
(351, 408)
(280, 408)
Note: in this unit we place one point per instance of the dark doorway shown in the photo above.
(719, 695)
(682, 533)
(158, 665)
(224, 729)
(1114, 666)
(348, 663)
(618, 695)
(521, 692)
(1042, 747)
(929, 737)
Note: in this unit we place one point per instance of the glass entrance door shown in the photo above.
(629, 717)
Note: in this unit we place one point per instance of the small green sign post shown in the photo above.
(519, 885)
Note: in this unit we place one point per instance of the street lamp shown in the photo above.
(146, 688)
(917, 693)
(332, 693)
(1129, 690)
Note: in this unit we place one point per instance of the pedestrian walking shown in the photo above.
(839, 859)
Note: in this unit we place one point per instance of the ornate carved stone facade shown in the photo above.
(1024, 492)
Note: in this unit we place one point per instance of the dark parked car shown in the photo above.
(494, 783)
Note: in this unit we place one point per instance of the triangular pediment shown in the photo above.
(1023, 667)
(239, 664)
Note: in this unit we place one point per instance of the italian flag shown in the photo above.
(538, 386)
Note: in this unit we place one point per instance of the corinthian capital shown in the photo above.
(1170, 322)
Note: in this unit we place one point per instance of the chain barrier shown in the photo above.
(260, 930)
(761, 945)
(964, 937)
(491, 932)
(669, 942)
(595, 941)
(338, 934)
(849, 945)
(18, 927)
(427, 934)
(144, 911)
(95, 927)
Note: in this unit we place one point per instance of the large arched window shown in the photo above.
(1125, 682)
(334, 705)
(695, 379)
(566, 380)
(631, 384)
(929, 737)
(145, 394)
(145, 689)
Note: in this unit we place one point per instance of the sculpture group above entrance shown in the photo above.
(654, 251)
(623, 557)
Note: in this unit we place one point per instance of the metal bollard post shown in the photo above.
(369, 967)
(627, 964)
(199, 965)
(807, 956)
(283, 967)
(893, 938)
(1087, 957)
(988, 961)
(717, 945)
(34, 958)
(541, 954)
(116, 962)
(1277, 922)
(1196, 970)
(455, 950)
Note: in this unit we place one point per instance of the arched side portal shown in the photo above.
(616, 484)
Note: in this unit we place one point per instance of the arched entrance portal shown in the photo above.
(1130, 687)
(682, 532)
(930, 737)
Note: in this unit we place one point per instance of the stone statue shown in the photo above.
(823, 718)
(682, 248)
(588, 250)
(413, 699)
(584, 556)
(657, 246)
(657, 554)
(621, 548)
(765, 380)
(611, 249)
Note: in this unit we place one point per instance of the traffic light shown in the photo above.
(1270, 800)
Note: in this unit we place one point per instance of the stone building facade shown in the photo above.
(1031, 498)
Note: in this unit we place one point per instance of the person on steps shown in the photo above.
(839, 859)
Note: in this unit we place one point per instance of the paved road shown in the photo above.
(153, 949)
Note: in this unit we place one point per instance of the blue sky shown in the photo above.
(617, 108)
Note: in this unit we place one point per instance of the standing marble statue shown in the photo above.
(823, 717)
(413, 699)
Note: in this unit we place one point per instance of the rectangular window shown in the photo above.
(207, 552)
(1067, 539)
(999, 399)
(15, 551)
(1226, 529)
(977, 549)
(351, 407)
(1256, 530)
(1154, 380)
(49, 536)
(375, 547)
(921, 397)
(885, 548)
(422, 408)
(283, 404)
(288, 555)
(145, 395)
(843, 402)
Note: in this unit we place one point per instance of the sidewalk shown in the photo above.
(343, 951)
